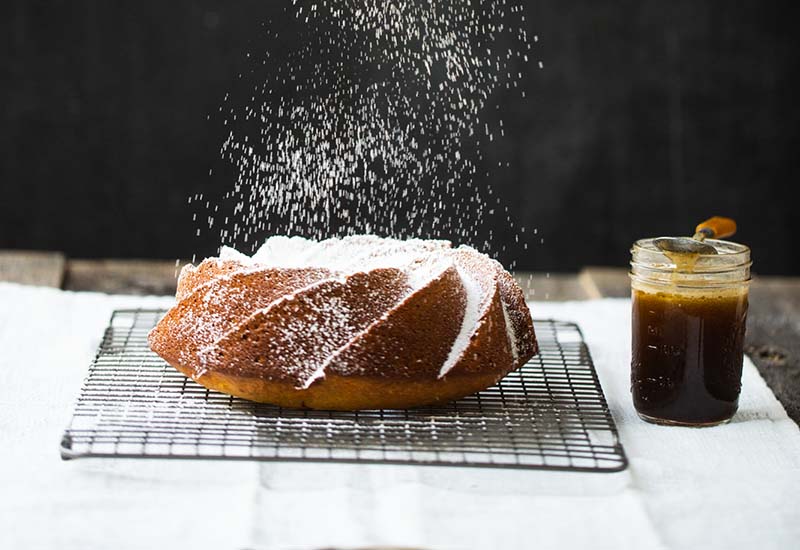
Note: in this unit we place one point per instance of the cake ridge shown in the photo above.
(202, 353)
(205, 309)
(338, 312)
(320, 374)
(371, 350)
(472, 316)
(512, 337)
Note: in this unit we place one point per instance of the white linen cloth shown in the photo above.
(734, 486)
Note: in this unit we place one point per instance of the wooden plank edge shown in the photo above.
(33, 267)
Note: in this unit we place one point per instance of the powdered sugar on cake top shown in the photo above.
(420, 258)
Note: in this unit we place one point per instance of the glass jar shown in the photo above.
(689, 314)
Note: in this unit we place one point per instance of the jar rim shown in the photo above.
(730, 257)
(724, 248)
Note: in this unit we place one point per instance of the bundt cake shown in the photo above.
(354, 323)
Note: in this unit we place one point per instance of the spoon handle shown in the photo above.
(715, 228)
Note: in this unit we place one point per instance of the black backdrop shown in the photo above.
(647, 116)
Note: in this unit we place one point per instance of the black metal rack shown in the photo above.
(550, 414)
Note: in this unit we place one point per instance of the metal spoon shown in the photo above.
(713, 228)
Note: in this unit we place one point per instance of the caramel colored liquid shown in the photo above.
(687, 355)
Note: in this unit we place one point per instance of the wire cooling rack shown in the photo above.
(550, 414)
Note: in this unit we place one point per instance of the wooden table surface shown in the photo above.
(773, 325)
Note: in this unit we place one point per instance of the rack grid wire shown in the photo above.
(550, 414)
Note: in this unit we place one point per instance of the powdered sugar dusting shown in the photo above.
(370, 116)
(422, 260)
(512, 336)
(360, 253)
(298, 308)
(424, 273)
(228, 253)
(472, 314)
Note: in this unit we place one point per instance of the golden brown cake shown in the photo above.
(345, 324)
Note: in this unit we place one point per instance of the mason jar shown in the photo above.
(689, 315)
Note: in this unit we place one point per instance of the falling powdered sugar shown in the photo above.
(373, 121)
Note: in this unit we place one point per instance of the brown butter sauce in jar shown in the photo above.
(688, 323)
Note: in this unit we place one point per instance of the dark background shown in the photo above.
(647, 117)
